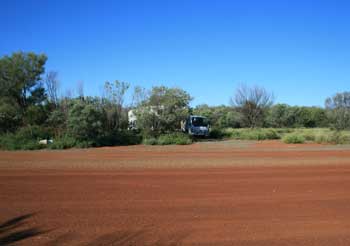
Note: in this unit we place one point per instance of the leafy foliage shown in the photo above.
(85, 120)
(339, 110)
(219, 116)
(293, 139)
(30, 110)
(163, 110)
(20, 77)
(20, 89)
(24, 138)
(283, 115)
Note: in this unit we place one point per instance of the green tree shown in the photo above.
(219, 116)
(85, 120)
(21, 91)
(338, 107)
(278, 116)
(163, 110)
(58, 121)
(20, 76)
(10, 119)
(283, 115)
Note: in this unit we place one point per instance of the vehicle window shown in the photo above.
(199, 121)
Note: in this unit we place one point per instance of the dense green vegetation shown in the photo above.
(31, 109)
(288, 135)
(293, 138)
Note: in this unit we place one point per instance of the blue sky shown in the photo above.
(297, 49)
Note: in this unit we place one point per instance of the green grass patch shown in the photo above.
(293, 138)
(334, 137)
(64, 142)
(252, 134)
(291, 135)
(26, 138)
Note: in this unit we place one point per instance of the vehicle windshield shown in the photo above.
(199, 121)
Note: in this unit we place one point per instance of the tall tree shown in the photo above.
(52, 86)
(21, 89)
(114, 102)
(140, 96)
(339, 110)
(20, 76)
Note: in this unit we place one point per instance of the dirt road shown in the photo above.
(227, 194)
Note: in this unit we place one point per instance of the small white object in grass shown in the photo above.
(45, 141)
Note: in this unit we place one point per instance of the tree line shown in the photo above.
(31, 109)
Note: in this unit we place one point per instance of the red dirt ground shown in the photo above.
(219, 193)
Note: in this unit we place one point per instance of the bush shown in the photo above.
(11, 141)
(32, 146)
(217, 133)
(334, 137)
(174, 138)
(309, 136)
(293, 139)
(116, 138)
(168, 139)
(33, 133)
(270, 134)
(85, 120)
(253, 134)
(165, 139)
(65, 142)
(150, 141)
(26, 138)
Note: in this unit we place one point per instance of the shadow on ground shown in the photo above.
(16, 229)
(142, 237)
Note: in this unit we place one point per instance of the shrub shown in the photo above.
(165, 140)
(150, 141)
(217, 133)
(321, 138)
(65, 142)
(253, 134)
(183, 140)
(334, 137)
(26, 138)
(85, 144)
(168, 139)
(85, 120)
(270, 134)
(33, 133)
(119, 138)
(293, 138)
(174, 138)
(32, 146)
(309, 136)
(282, 131)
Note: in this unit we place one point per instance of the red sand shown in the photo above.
(283, 198)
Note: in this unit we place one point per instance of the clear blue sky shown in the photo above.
(297, 49)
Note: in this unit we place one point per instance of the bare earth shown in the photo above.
(216, 193)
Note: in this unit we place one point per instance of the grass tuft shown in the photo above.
(168, 139)
(293, 138)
